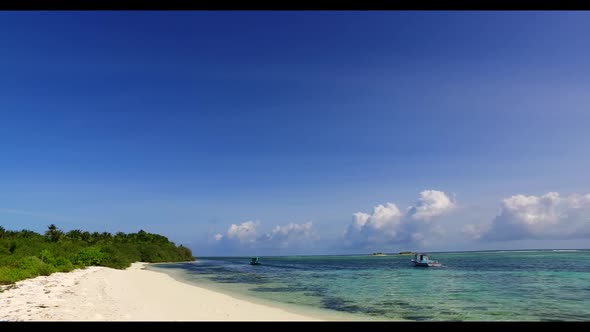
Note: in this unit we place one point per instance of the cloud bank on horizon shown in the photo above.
(521, 217)
(245, 235)
(549, 216)
(388, 225)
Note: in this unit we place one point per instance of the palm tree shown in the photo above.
(74, 234)
(53, 233)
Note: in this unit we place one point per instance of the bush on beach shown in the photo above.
(25, 254)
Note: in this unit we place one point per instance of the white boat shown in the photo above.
(421, 259)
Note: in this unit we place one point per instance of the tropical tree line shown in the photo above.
(27, 254)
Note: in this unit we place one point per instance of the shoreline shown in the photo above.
(134, 294)
(317, 313)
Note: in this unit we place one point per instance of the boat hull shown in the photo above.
(426, 264)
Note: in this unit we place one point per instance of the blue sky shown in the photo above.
(288, 124)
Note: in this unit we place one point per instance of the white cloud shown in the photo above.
(385, 217)
(291, 235)
(537, 217)
(387, 225)
(244, 233)
(432, 203)
(376, 227)
(359, 220)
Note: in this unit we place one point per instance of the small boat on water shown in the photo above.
(421, 259)
(255, 261)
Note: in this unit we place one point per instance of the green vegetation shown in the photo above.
(26, 254)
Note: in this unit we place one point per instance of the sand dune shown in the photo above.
(134, 294)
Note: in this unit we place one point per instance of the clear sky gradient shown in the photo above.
(286, 124)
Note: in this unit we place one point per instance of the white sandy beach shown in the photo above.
(134, 294)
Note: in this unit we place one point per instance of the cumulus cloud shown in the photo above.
(290, 235)
(286, 236)
(549, 216)
(387, 225)
(376, 227)
(244, 233)
(432, 203)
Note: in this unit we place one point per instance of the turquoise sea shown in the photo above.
(535, 285)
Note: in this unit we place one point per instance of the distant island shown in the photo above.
(400, 253)
(25, 254)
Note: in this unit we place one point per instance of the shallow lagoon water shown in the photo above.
(544, 285)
